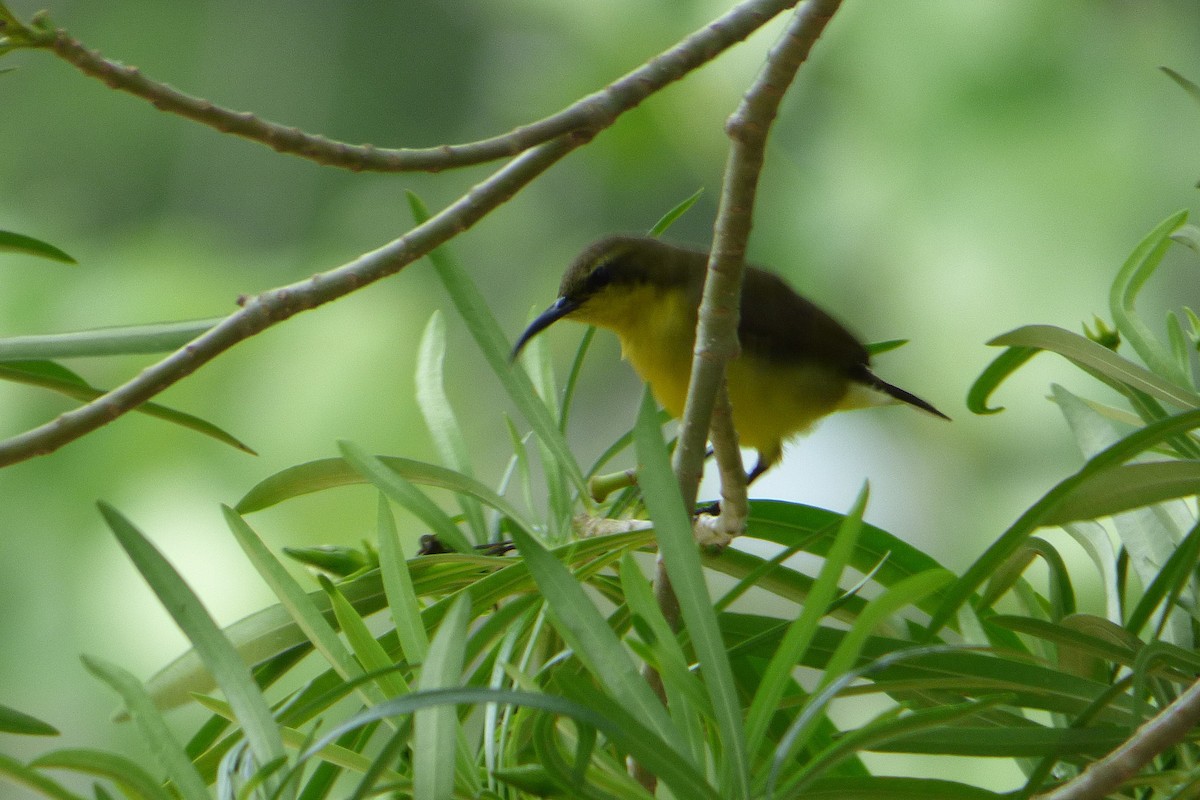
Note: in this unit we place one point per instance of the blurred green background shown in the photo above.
(943, 171)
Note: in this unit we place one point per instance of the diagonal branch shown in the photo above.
(271, 307)
(590, 114)
(1101, 778)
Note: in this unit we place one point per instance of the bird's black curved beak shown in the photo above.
(561, 307)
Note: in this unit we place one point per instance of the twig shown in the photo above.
(590, 114)
(274, 306)
(734, 506)
(716, 334)
(1170, 727)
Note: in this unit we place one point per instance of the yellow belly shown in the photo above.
(771, 402)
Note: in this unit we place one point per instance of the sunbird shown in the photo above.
(797, 363)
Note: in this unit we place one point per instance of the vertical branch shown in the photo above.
(716, 334)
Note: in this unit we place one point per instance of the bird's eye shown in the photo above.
(600, 276)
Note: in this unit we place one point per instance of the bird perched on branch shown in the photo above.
(797, 363)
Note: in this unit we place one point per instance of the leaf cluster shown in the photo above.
(469, 673)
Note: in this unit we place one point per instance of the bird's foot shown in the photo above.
(716, 530)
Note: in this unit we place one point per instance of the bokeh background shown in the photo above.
(943, 171)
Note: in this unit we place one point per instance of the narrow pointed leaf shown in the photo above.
(328, 473)
(157, 337)
(397, 581)
(439, 416)
(435, 729)
(1126, 487)
(156, 734)
(677, 545)
(1124, 450)
(218, 655)
(613, 720)
(495, 347)
(27, 245)
(302, 609)
(1087, 353)
(13, 771)
(402, 491)
(123, 772)
(1134, 274)
(668, 219)
(54, 377)
(801, 631)
(13, 721)
(587, 633)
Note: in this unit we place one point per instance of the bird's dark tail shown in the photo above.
(875, 382)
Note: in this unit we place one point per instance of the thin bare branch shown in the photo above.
(1172, 725)
(716, 335)
(591, 114)
(271, 307)
(276, 305)
(735, 506)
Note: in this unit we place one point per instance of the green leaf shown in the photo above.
(1126, 487)
(495, 348)
(1188, 86)
(13, 721)
(788, 524)
(876, 348)
(677, 546)
(881, 787)
(49, 375)
(1097, 543)
(904, 593)
(123, 772)
(271, 632)
(668, 219)
(568, 398)
(1031, 742)
(26, 245)
(613, 720)
(801, 631)
(218, 655)
(397, 582)
(1088, 354)
(1033, 518)
(1189, 236)
(435, 729)
(585, 631)
(329, 473)
(1134, 274)
(1170, 582)
(14, 771)
(154, 729)
(990, 379)
(369, 653)
(1099, 638)
(1148, 534)
(302, 609)
(685, 694)
(396, 487)
(878, 733)
(157, 337)
(440, 419)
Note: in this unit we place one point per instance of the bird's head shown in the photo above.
(603, 282)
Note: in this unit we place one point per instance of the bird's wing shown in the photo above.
(778, 324)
